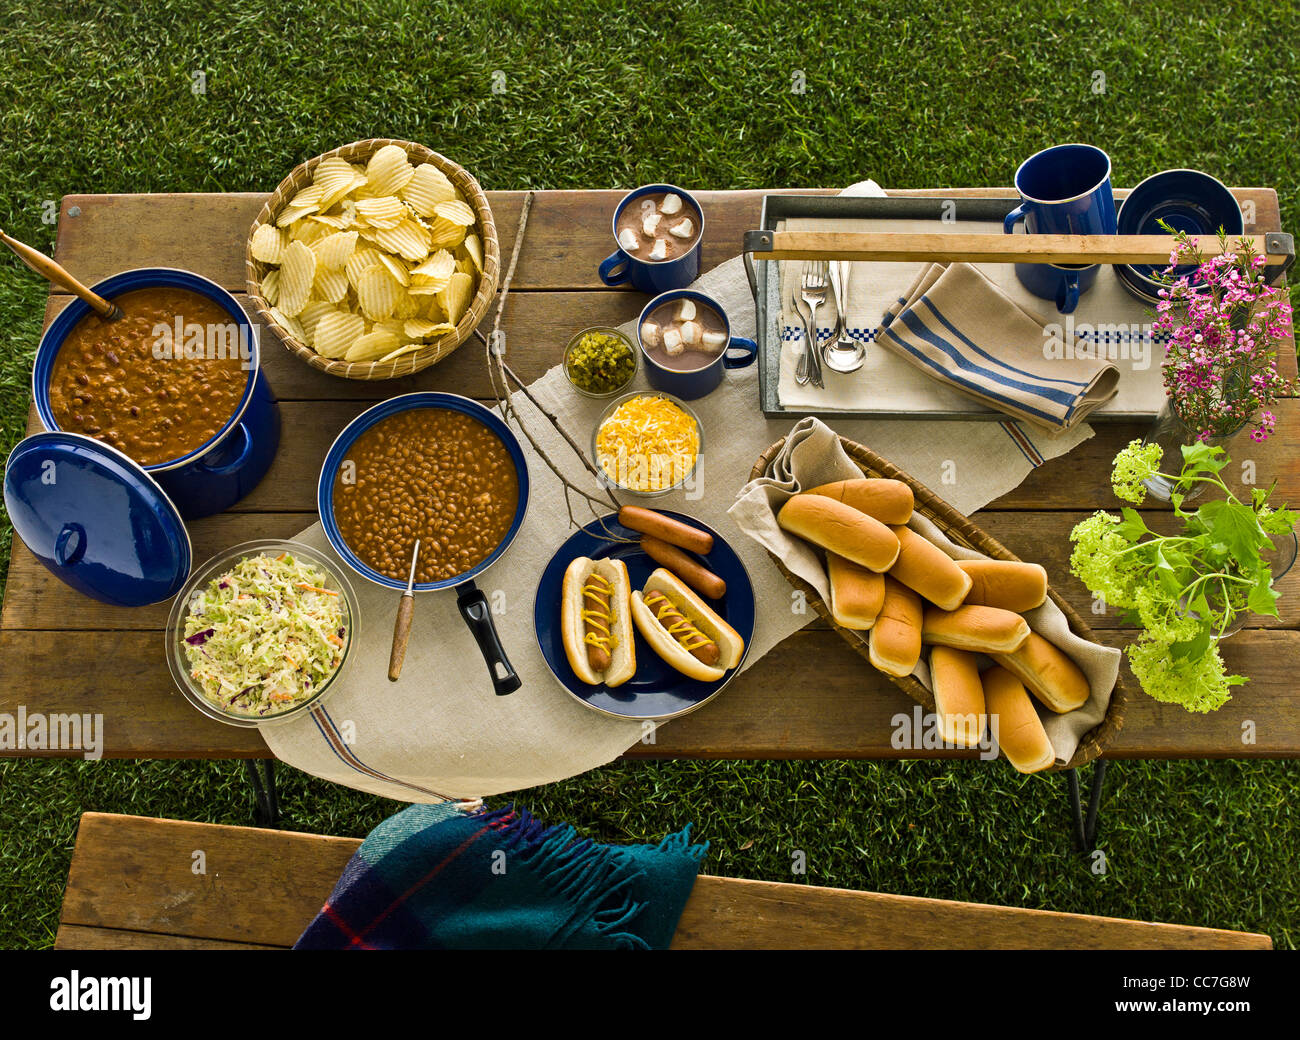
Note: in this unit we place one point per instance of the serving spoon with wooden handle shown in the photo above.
(402, 627)
(48, 269)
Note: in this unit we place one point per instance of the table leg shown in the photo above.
(266, 803)
(1085, 830)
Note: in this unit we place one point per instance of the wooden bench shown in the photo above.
(133, 885)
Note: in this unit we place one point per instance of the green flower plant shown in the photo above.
(1183, 590)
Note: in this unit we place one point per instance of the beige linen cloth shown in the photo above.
(958, 327)
(440, 732)
(813, 456)
(1107, 321)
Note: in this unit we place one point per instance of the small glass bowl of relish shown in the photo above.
(600, 362)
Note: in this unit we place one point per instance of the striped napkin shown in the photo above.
(956, 325)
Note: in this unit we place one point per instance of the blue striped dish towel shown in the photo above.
(960, 328)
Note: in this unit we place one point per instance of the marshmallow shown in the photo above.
(650, 334)
(647, 207)
(628, 240)
(686, 310)
(659, 251)
(684, 228)
(714, 342)
(650, 224)
(670, 205)
(673, 342)
(691, 332)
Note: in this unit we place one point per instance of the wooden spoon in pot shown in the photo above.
(48, 269)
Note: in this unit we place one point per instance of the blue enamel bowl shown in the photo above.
(405, 403)
(226, 467)
(1186, 200)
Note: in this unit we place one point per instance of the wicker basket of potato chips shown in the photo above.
(375, 260)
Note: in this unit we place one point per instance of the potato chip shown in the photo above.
(297, 274)
(362, 259)
(406, 348)
(444, 234)
(396, 268)
(386, 212)
(474, 247)
(290, 324)
(423, 328)
(393, 326)
(271, 286)
(330, 221)
(311, 314)
(269, 243)
(372, 346)
(441, 265)
(305, 202)
(407, 307)
(333, 250)
(455, 298)
(427, 187)
(336, 332)
(377, 293)
(388, 171)
(307, 232)
(331, 286)
(336, 178)
(466, 266)
(456, 211)
(408, 240)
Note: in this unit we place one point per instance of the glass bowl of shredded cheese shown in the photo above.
(648, 443)
(261, 632)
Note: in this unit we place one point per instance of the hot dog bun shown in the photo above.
(1008, 584)
(889, 501)
(958, 696)
(895, 641)
(857, 594)
(840, 529)
(925, 568)
(986, 629)
(1016, 725)
(622, 664)
(730, 644)
(1048, 673)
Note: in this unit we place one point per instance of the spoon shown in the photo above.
(48, 269)
(402, 628)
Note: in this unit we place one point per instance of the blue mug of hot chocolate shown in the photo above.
(687, 344)
(658, 228)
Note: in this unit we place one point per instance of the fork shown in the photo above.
(813, 285)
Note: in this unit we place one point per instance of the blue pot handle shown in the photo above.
(607, 272)
(235, 457)
(1013, 218)
(1067, 296)
(749, 347)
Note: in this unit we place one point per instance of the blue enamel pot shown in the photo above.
(218, 473)
(470, 600)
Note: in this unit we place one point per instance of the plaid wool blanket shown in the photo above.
(441, 877)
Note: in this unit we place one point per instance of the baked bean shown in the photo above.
(432, 474)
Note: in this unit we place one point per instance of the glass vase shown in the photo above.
(1171, 433)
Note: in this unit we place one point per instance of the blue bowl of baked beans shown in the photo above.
(433, 466)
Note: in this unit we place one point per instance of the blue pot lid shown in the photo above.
(96, 519)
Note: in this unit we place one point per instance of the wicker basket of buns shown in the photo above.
(963, 533)
(374, 260)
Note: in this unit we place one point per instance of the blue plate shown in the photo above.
(1187, 200)
(657, 690)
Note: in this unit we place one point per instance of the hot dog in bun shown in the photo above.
(682, 630)
(596, 621)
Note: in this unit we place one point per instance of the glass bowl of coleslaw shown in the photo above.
(261, 632)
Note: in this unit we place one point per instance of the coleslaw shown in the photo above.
(265, 636)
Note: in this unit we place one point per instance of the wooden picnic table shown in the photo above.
(63, 653)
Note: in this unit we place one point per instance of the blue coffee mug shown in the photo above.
(653, 276)
(696, 382)
(1057, 282)
(1065, 190)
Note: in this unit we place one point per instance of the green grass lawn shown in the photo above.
(596, 95)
